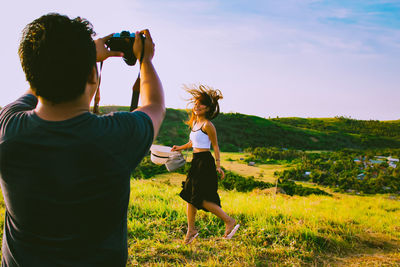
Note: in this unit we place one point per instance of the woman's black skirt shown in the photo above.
(202, 181)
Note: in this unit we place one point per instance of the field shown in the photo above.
(276, 229)
(264, 172)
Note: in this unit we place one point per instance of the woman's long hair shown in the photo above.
(207, 96)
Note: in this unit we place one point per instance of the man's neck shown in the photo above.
(60, 112)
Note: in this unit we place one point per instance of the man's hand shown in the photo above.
(148, 46)
(102, 53)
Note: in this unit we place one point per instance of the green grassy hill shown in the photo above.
(343, 124)
(238, 131)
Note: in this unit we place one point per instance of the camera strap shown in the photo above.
(136, 85)
(135, 93)
(97, 95)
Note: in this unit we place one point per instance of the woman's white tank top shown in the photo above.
(200, 139)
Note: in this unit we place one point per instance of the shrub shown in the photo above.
(241, 184)
(147, 169)
(291, 188)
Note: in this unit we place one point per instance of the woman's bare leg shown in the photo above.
(216, 210)
(191, 219)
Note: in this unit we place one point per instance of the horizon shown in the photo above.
(269, 118)
(307, 59)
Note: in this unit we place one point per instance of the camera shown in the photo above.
(124, 42)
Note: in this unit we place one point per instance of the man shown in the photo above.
(65, 172)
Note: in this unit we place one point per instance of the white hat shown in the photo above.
(160, 154)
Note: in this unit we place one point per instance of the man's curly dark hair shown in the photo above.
(57, 55)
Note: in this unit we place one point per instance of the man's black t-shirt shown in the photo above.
(66, 185)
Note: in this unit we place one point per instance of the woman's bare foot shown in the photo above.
(190, 236)
(229, 226)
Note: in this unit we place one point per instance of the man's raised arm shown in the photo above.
(151, 90)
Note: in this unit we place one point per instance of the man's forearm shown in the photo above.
(151, 95)
(151, 91)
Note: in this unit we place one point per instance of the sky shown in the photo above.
(287, 58)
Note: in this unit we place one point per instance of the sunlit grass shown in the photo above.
(275, 229)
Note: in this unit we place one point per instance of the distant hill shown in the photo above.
(343, 124)
(238, 131)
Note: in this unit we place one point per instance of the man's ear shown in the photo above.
(93, 76)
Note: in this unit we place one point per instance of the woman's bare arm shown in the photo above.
(212, 134)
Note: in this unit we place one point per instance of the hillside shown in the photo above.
(343, 124)
(238, 131)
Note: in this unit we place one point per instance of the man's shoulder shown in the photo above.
(12, 115)
(128, 115)
(25, 102)
(128, 120)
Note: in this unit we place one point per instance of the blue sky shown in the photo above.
(306, 58)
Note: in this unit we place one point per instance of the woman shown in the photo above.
(200, 188)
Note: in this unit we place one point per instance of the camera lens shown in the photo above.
(125, 34)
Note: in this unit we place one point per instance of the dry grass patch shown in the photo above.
(264, 172)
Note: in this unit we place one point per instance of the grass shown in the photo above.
(275, 229)
(264, 172)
